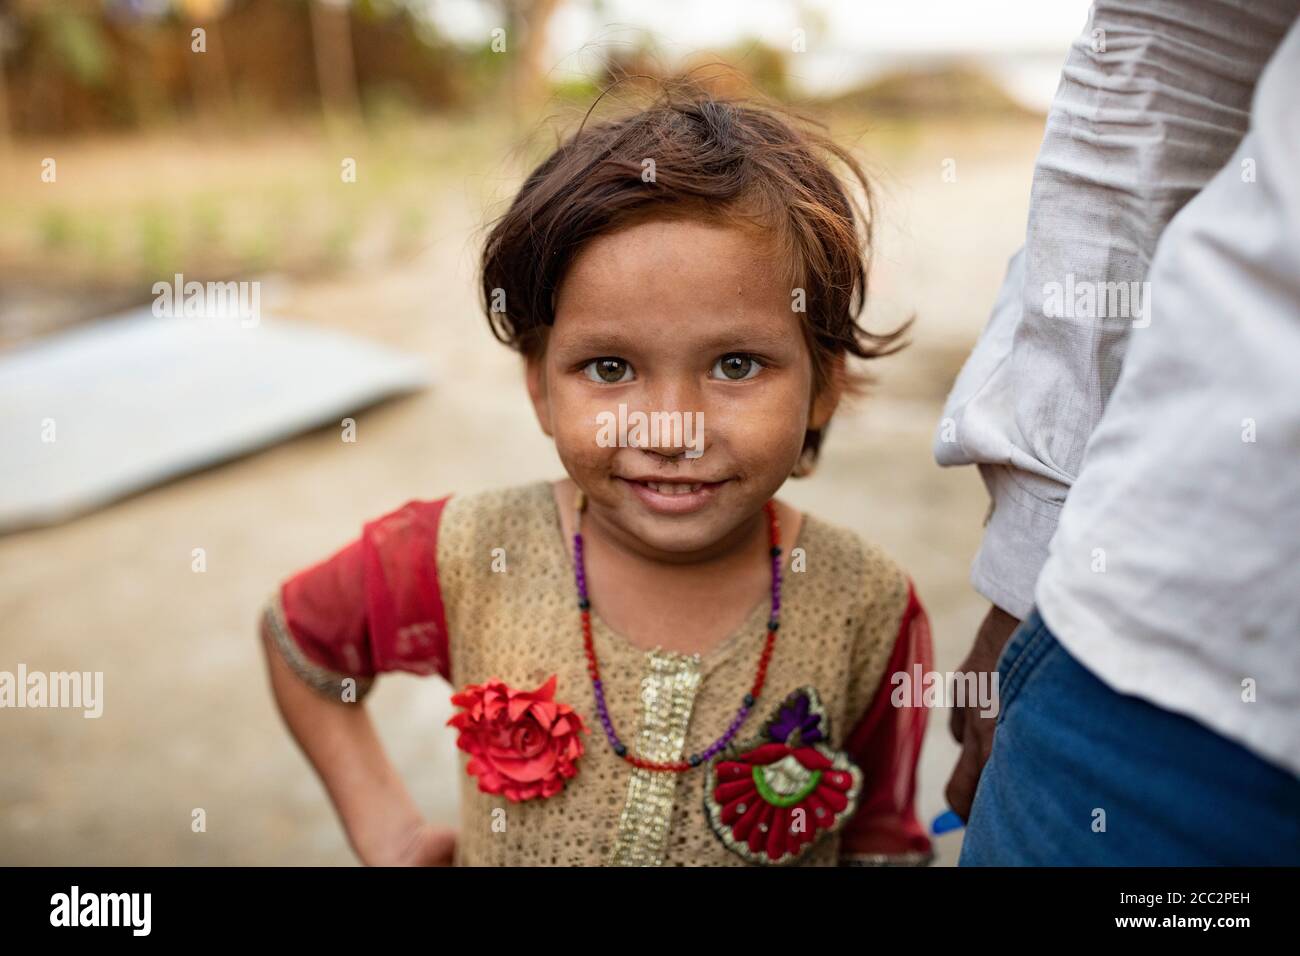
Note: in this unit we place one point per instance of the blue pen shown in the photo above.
(946, 822)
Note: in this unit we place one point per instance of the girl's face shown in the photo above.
(677, 317)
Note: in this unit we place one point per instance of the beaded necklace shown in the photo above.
(593, 668)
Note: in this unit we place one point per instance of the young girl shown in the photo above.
(653, 660)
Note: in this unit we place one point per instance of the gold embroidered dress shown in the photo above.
(481, 587)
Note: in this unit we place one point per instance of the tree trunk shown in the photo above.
(331, 34)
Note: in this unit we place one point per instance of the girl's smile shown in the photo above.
(673, 496)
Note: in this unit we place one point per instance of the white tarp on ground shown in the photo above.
(111, 408)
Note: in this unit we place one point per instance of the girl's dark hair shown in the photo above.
(714, 158)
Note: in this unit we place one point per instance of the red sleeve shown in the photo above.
(373, 606)
(886, 744)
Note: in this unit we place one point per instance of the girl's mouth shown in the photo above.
(673, 497)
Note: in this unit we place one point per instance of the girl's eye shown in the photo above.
(609, 371)
(736, 367)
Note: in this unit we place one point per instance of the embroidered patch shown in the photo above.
(769, 800)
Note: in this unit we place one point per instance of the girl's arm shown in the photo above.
(382, 822)
(886, 744)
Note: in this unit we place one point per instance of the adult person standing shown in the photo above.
(1150, 701)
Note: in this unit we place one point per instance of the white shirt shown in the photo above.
(1174, 573)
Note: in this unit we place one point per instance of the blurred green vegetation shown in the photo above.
(125, 213)
(122, 212)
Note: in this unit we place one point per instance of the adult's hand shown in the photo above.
(973, 732)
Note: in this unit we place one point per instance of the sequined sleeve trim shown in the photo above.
(321, 679)
(911, 858)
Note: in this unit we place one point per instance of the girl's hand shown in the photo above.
(429, 846)
(420, 845)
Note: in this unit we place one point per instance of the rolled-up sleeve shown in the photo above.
(1153, 99)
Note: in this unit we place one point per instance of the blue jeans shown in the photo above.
(1081, 775)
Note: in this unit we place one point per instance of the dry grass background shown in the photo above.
(188, 721)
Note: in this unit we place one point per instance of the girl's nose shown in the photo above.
(674, 412)
(666, 454)
(671, 436)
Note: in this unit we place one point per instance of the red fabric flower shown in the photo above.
(522, 744)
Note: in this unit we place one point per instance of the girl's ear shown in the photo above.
(825, 403)
(535, 376)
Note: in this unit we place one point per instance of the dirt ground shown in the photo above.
(188, 722)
